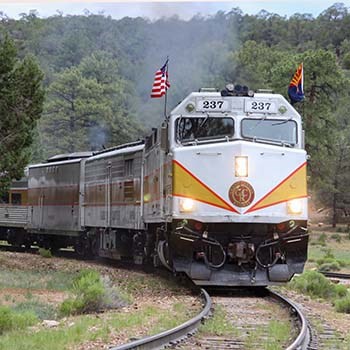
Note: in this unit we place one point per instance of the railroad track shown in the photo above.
(345, 276)
(171, 336)
(181, 337)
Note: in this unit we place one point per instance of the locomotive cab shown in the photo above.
(233, 189)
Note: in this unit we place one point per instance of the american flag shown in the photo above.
(161, 82)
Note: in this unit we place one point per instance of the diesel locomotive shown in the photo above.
(218, 192)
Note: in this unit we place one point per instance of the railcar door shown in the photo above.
(108, 194)
(153, 197)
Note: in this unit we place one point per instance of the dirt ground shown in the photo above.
(152, 291)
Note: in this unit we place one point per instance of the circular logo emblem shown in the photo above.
(241, 193)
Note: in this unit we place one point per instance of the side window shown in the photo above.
(128, 167)
(16, 198)
(5, 198)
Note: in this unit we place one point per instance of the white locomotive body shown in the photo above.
(231, 189)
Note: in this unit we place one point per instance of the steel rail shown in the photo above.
(345, 276)
(302, 341)
(158, 341)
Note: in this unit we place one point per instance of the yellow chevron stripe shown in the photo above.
(293, 186)
(185, 184)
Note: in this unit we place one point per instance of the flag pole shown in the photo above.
(166, 89)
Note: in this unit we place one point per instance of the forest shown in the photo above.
(89, 79)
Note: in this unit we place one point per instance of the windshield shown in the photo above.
(283, 131)
(190, 129)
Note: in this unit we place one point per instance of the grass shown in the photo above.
(14, 320)
(218, 324)
(91, 328)
(343, 304)
(42, 311)
(275, 336)
(329, 246)
(75, 330)
(34, 280)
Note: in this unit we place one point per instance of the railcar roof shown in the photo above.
(70, 161)
(124, 150)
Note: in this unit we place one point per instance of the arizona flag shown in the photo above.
(161, 81)
(296, 88)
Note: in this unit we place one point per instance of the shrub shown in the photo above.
(315, 284)
(322, 239)
(12, 320)
(336, 237)
(45, 253)
(328, 254)
(322, 261)
(343, 305)
(329, 266)
(340, 290)
(88, 291)
(41, 310)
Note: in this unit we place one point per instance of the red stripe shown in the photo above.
(271, 204)
(157, 89)
(202, 201)
(205, 186)
(279, 185)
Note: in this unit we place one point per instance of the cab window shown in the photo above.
(203, 128)
(280, 131)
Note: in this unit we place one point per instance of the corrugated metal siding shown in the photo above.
(14, 216)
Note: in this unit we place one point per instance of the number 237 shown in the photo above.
(260, 106)
(212, 104)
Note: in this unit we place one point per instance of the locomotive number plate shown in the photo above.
(212, 105)
(259, 106)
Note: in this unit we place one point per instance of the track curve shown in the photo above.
(171, 336)
(302, 341)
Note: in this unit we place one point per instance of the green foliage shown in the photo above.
(316, 285)
(12, 320)
(218, 324)
(45, 253)
(88, 291)
(343, 305)
(41, 310)
(51, 280)
(336, 237)
(88, 108)
(92, 293)
(21, 99)
(322, 239)
(329, 266)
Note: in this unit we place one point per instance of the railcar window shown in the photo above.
(283, 131)
(128, 167)
(5, 198)
(190, 129)
(16, 198)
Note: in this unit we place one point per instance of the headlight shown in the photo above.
(241, 166)
(295, 206)
(186, 205)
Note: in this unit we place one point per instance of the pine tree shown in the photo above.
(21, 100)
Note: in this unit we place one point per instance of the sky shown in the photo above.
(157, 9)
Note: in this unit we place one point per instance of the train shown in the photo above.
(217, 193)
